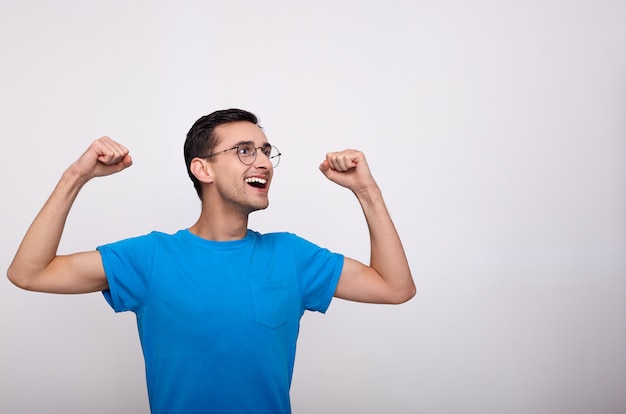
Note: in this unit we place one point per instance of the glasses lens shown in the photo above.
(247, 153)
(274, 156)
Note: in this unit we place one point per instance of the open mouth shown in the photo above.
(257, 182)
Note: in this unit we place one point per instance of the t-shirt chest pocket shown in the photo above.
(270, 303)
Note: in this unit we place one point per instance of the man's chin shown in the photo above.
(259, 207)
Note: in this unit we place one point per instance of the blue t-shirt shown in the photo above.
(218, 321)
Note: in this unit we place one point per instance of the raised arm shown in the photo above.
(388, 278)
(36, 265)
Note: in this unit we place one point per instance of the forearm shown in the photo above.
(387, 255)
(39, 246)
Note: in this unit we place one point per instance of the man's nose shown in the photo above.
(262, 160)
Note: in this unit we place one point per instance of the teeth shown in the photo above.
(256, 180)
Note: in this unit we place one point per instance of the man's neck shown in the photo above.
(220, 225)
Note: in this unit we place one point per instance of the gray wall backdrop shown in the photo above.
(496, 130)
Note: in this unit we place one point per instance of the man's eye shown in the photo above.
(267, 151)
(246, 150)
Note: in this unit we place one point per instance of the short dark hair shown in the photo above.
(201, 138)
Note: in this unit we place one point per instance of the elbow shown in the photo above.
(412, 293)
(18, 279)
(14, 278)
(404, 295)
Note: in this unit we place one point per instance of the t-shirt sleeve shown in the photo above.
(127, 265)
(319, 271)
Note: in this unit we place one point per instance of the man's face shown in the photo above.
(237, 185)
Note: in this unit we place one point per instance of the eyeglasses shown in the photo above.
(247, 153)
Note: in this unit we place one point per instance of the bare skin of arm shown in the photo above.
(36, 265)
(388, 278)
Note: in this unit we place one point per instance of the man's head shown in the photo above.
(202, 139)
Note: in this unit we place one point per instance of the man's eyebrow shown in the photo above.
(264, 145)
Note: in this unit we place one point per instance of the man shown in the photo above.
(218, 305)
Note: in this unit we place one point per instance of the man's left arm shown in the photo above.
(388, 278)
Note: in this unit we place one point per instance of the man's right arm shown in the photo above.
(36, 265)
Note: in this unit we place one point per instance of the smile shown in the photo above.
(256, 182)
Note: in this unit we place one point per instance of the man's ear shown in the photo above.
(201, 170)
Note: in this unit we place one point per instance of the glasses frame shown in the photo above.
(252, 157)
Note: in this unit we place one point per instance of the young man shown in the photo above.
(218, 305)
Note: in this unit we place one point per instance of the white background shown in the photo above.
(496, 130)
